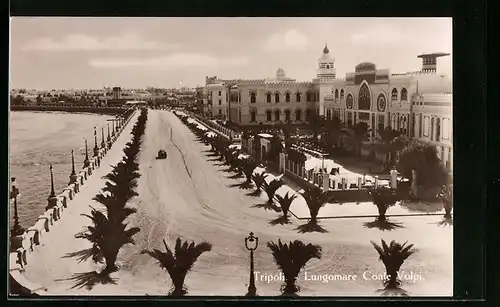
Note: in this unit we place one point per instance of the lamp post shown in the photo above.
(103, 143)
(252, 290)
(72, 176)
(17, 230)
(108, 139)
(52, 199)
(86, 162)
(113, 131)
(96, 149)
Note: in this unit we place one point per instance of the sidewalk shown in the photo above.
(49, 264)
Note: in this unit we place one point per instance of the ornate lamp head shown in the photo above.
(251, 242)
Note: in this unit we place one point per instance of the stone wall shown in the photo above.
(34, 235)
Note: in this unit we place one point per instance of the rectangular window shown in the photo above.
(426, 126)
(420, 125)
(220, 93)
(381, 120)
(220, 112)
(220, 102)
(349, 118)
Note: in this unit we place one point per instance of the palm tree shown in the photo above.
(249, 165)
(383, 198)
(259, 179)
(332, 131)
(315, 200)
(316, 124)
(393, 256)
(387, 136)
(361, 131)
(179, 261)
(272, 187)
(290, 259)
(445, 195)
(285, 203)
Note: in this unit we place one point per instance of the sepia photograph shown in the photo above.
(231, 156)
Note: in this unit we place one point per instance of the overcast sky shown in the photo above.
(163, 52)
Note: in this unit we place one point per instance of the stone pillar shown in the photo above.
(326, 182)
(282, 162)
(343, 183)
(360, 180)
(394, 178)
(376, 182)
(303, 172)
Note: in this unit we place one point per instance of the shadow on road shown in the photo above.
(80, 256)
(235, 176)
(244, 185)
(311, 227)
(392, 292)
(254, 193)
(89, 280)
(268, 206)
(382, 225)
(447, 221)
(280, 221)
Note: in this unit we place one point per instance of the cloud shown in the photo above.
(172, 61)
(292, 40)
(82, 42)
(377, 35)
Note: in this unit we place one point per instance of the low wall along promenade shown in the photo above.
(23, 245)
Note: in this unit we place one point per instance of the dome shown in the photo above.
(280, 73)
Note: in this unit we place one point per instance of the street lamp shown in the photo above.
(96, 149)
(86, 162)
(108, 139)
(72, 176)
(17, 230)
(52, 199)
(252, 290)
(103, 144)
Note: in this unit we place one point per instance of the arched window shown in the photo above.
(253, 116)
(328, 114)
(420, 125)
(438, 129)
(432, 129)
(297, 97)
(342, 94)
(287, 97)
(277, 115)
(336, 94)
(364, 99)
(277, 97)
(253, 98)
(298, 115)
(394, 95)
(269, 97)
(287, 115)
(404, 94)
(269, 115)
(308, 96)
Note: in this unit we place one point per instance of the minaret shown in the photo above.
(325, 76)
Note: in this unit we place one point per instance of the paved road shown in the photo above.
(190, 196)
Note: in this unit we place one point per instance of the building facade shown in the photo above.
(418, 104)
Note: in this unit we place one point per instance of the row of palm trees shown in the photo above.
(292, 257)
(108, 232)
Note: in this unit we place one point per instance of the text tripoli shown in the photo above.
(326, 278)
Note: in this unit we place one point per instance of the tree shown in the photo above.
(18, 100)
(315, 200)
(288, 130)
(383, 198)
(331, 132)
(271, 188)
(179, 261)
(361, 131)
(259, 179)
(39, 99)
(393, 256)
(249, 165)
(422, 157)
(285, 203)
(109, 233)
(445, 195)
(290, 259)
(388, 138)
(316, 123)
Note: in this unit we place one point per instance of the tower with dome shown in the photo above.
(325, 77)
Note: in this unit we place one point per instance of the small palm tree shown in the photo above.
(315, 200)
(285, 203)
(259, 179)
(179, 261)
(271, 188)
(290, 259)
(383, 198)
(393, 256)
(445, 196)
(249, 165)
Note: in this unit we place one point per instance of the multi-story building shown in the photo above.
(408, 102)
